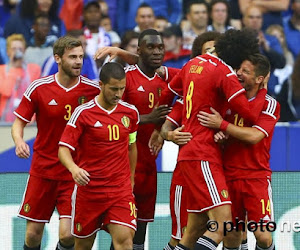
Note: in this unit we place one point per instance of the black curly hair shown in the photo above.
(201, 40)
(234, 46)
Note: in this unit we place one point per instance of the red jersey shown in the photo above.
(204, 82)
(143, 92)
(247, 161)
(101, 140)
(175, 116)
(53, 105)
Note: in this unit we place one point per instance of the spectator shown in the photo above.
(15, 76)
(7, 8)
(281, 74)
(292, 29)
(95, 35)
(175, 55)
(21, 23)
(106, 24)
(89, 68)
(219, 16)
(269, 45)
(3, 55)
(161, 23)
(236, 16)
(197, 15)
(144, 18)
(40, 48)
(296, 86)
(272, 10)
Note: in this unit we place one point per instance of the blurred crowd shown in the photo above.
(28, 29)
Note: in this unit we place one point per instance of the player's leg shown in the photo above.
(33, 235)
(37, 207)
(66, 240)
(85, 243)
(196, 226)
(140, 235)
(64, 194)
(122, 236)
(232, 240)
(260, 209)
(177, 208)
(244, 245)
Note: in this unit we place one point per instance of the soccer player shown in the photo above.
(248, 173)
(52, 99)
(103, 133)
(207, 81)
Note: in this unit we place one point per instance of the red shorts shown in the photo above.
(145, 188)
(41, 196)
(252, 197)
(178, 201)
(94, 211)
(206, 184)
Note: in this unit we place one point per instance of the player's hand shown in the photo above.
(155, 143)
(265, 82)
(158, 114)
(22, 149)
(80, 176)
(112, 52)
(179, 137)
(220, 137)
(213, 120)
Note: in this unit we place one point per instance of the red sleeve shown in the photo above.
(268, 117)
(135, 121)
(170, 73)
(27, 107)
(175, 116)
(72, 131)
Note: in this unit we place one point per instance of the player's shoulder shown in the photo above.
(36, 84)
(271, 106)
(130, 107)
(131, 69)
(80, 110)
(88, 82)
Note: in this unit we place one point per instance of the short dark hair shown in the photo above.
(111, 70)
(188, 10)
(75, 33)
(261, 64)
(90, 4)
(147, 32)
(201, 40)
(63, 43)
(127, 37)
(234, 46)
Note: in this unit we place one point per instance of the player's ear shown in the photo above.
(101, 84)
(57, 58)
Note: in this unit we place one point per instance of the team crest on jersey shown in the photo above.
(224, 193)
(26, 208)
(159, 92)
(82, 100)
(125, 121)
(78, 227)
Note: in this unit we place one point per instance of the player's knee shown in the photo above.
(124, 242)
(33, 237)
(66, 238)
(264, 239)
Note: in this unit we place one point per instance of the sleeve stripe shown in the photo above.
(235, 94)
(21, 117)
(230, 74)
(167, 73)
(36, 84)
(173, 90)
(271, 105)
(78, 110)
(261, 129)
(66, 145)
(172, 120)
(267, 113)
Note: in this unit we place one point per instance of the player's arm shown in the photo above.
(17, 132)
(247, 134)
(114, 52)
(132, 153)
(265, 5)
(155, 142)
(170, 132)
(80, 176)
(157, 115)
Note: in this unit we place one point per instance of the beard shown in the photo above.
(68, 70)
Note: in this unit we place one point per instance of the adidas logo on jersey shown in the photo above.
(140, 88)
(98, 124)
(52, 102)
(133, 222)
(266, 218)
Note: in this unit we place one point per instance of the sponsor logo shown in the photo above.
(52, 103)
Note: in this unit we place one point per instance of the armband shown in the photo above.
(224, 125)
(132, 137)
